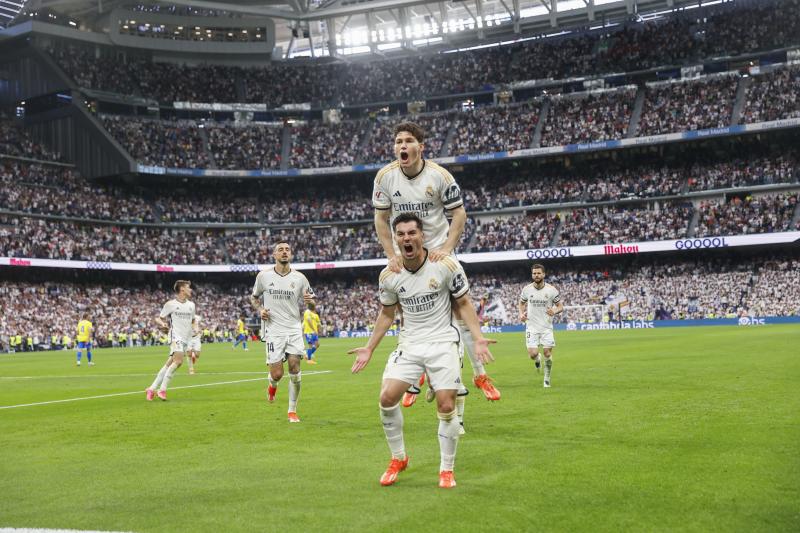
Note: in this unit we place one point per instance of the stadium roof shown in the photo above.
(369, 25)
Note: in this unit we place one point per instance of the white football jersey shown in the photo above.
(180, 316)
(539, 301)
(428, 195)
(282, 296)
(424, 296)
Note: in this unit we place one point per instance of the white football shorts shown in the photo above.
(535, 338)
(278, 347)
(194, 345)
(440, 360)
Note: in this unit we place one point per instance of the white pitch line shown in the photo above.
(126, 376)
(311, 373)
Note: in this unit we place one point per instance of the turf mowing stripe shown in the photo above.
(309, 373)
(41, 530)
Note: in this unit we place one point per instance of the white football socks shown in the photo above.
(168, 376)
(159, 378)
(294, 391)
(392, 418)
(448, 440)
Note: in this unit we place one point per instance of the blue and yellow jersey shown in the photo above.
(311, 322)
(84, 330)
(240, 329)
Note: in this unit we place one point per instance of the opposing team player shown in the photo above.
(195, 345)
(412, 184)
(426, 292)
(311, 324)
(85, 331)
(538, 303)
(241, 333)
(277, 296)
(181, 327)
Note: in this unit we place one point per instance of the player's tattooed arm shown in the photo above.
(256, 304)
(556, 309)
(523, 311)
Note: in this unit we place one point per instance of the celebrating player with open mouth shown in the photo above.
(427, 292)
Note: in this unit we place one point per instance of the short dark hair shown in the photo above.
(413, 128)
(539, 266)
(181, 283)
(406, 217)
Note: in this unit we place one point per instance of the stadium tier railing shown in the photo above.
(565, 252)
(527, 153)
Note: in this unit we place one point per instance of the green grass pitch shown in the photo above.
(691, 429)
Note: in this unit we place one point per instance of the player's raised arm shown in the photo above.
(457, 225)
(382, 324)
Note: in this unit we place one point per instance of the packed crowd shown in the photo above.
(668, 107)
(162, 143)
(54, 190)
(14, 140)
(327, 145)
(534, 230)
(616, 224)
(48, 239)
(749, 214)
(775, 289)
(42, 189)
(642, 290)
(590, 117)
(773, 96)
(688, 105)
(678, 39)
(245, 147)
(495, 129)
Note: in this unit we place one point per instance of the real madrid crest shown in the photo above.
(429, 191)
(291, 285)
(433, 284)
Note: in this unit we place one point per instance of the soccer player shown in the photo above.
(426, 292)
(84, 338)
(181, 328)
(277, 296)
(241, 333)
(538, 303)
(195, 345)
(416, 185)
(311, 324)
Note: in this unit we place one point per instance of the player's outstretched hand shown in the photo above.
(395, 264)
(363, 355)
(482, 349)
(264, 314)
(437, 254)
(308, 297)
(523, 317)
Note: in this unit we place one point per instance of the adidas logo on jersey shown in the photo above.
(272, 284)
(397, 194)
(402, 290)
